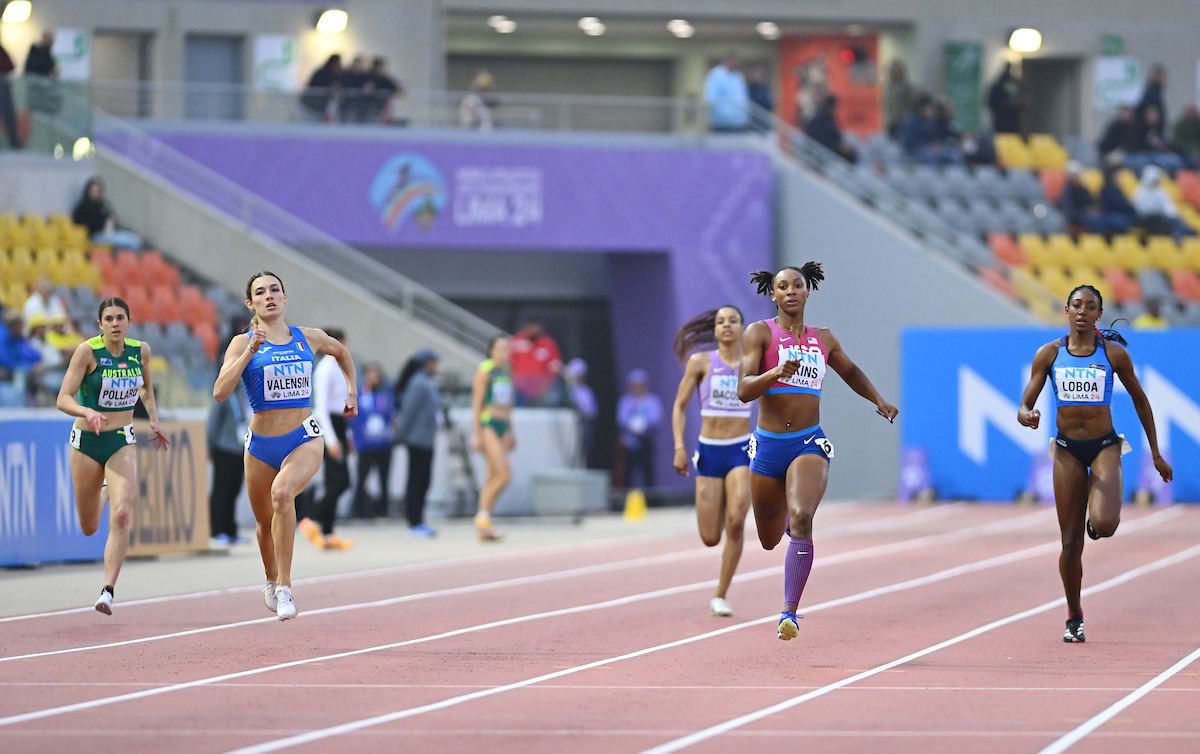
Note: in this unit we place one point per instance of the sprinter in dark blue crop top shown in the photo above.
(1087, 450)
(274, 362)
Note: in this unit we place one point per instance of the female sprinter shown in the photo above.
(783, 365)
(108, 374)
(491, 411)
(1080, 366)
(722, 450)
(274, 362)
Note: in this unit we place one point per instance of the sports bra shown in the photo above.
(718, 391)
(1082, 380)
(280, 376)
(809, 350)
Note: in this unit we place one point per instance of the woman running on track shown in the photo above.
(491, 411)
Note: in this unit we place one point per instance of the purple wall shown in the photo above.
(683, 227)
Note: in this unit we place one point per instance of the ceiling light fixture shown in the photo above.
(332, 21)
(17, 12)
(1025, 40)
(768, 29)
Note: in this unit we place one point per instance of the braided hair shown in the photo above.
(697, 332)
(765, 279)
(1107, 334)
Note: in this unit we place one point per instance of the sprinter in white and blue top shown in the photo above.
(722, 457)
(1087, 450)
(284, 448)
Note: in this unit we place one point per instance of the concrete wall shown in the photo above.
(879, 280)
(196, 236)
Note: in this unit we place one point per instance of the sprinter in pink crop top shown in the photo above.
(783, 366)
(722, 457)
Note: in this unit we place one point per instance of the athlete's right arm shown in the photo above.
(751, 384)
(241, 349)
(1027, 415)
(697, 365)
(81, 360)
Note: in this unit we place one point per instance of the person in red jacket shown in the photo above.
(536, 365)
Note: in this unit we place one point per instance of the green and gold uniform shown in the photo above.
(112, 386)
(499, 393)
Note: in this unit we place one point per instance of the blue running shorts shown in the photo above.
(772, 452)
(719, 457)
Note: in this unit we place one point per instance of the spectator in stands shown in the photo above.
(1005, 100)
(41, 76)
(1122, 135)
(372, 432)
(357, 102)
(536, 365)
(1156, 209)
(43, 302)
(322, 95)
(1154, 148)
(727, 95)
(583, 400)
(761, 95)
(1185, 137)
(420, 403)
(899, 96)
(475, 108)
(8, 110)
(1083, 209)
(20, 360)
(383, 90)
(1152, 95)
(823, 129)
(639, 412)
(94, 212)
(1152, 318)
(329, 394)
(1114, 206)
(62, 334)
(921, 136)
(226, 428)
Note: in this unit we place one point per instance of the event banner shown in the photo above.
(38, 522)
(961, 389)
(844, 65)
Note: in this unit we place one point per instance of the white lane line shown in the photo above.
(630, 599)
(868, 552)
(317, 735)
(886, 522)
(716, 730)
(1076, 735)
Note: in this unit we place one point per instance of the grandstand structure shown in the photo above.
(988, 239)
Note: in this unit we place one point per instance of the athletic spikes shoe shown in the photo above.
(1090, 531)
(269, 596)
(720, 607)
(287, 605)
(104, 602)
(1074, 632)
(312, 531)
(788, 625)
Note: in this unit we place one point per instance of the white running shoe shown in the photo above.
(269, 596)
(287, 605)
(720, 607)
(104, 602)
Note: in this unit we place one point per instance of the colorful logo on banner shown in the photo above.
(408, 185)
(844, 65)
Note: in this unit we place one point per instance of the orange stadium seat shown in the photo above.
(1186, 284)
(127, 266)
(1189, 186)
(1052, 183)
(996, 279)
(207, 333)
(1007, 250)
(1124, 287)
(164, 305)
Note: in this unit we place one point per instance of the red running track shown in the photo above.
(926, 630)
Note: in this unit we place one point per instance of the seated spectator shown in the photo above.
(922, 136)
(1156, 209)
(1152, 318)
(43, 302)
(1122, 135)
(357, 100)
(535, 363)
(383, 91)
(1154, 148)
(1185, 137)
(823, 129)
(1119, 214)
(41, 77)
(94, 212)
(475, 108)
(20, 361)
(977, 151)
(322, 95)
(1083, 210)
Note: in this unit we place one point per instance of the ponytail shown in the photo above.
(697, 332)
(765, 280)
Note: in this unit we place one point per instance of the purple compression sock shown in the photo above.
(796, 567)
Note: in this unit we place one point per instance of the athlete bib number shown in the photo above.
(311, 427)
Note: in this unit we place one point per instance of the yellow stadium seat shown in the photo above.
(1011, 151)
(1094, 250)
(1048, 154)
(1162, 253)
(1126, 181)
(75, 237)
(1062, 248)
(20, 261)
(1056, 281)
(1190, 249)
(1036, 296)
(1093, 179)
(1129, 252)
(1190, 217)
(1035, 249)
(13, 294)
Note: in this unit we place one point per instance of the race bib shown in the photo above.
(811, 372)
(287, 381)
(1081, 384)
(312, 428)
(119, 392)
(752, 448)
(723, 392)
(76, 436)
(502, 393)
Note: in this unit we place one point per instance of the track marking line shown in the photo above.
(866, 552)
(839, 529)
(1078, 734)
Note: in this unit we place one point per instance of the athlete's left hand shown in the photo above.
(886, 410)
(160, 440)
(351, 408)
(1164, 469)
